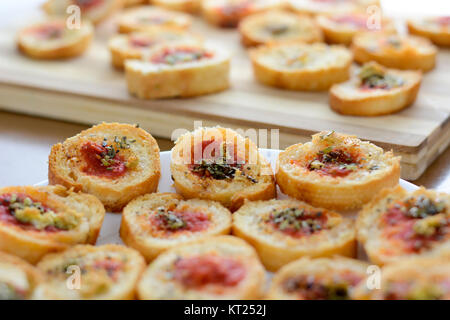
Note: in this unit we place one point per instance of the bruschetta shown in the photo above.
(410, 279)
(134, 45)
(223, 267)
(84, 272)
(336, 171)
(219, 164)
(114, 162)
(228, 13)
(341, 28)
(156, 222)
(374, 90)
(436, 29)
(18, 278)
(395, 51)
(278, 26)
(398, 224)
(189, 6)
(144, 18)
(282, 231)
(314, 7)
(52, 39)
(95, 11)
(37, 220)
(182, 69)
(299, 66)
(318, 279)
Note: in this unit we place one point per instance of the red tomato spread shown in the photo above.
(179, 55)
(356, 21)
(87, 4)
(141, 42)
(198, 271)
(50, 30)
(112, 267)
(94, 156)
(173, 221)
(334, 163)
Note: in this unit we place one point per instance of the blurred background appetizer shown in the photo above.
(215, 268)
(374, 90)
(336, 171)
(219, 164)
(282, 231)
(156, 222)
(37, 220)
(314, 7)
(437, 29)
(398, 224)
(112, 161)
(188, 6)
(53, 39)
(278, 26)
(299, 66)
(108, 272)
(318, 279)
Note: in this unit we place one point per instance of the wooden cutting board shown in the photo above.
(87, 90)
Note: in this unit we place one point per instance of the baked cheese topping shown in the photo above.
(374, 76)
(14, 283)
(293, 57)
(22, 211)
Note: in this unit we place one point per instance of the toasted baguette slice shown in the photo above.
(318, 279)
(341, 28)
(144, 18)
(135, 45)
(156, 222)
(84, 272)
(314, 7)
(37, 220)
(410, 279)
(374, 90)
(436, 29)
(215, 268)
(189, 6)
(228, 13)
(397, 224)
(18, 278)
(95, 11)
(114, 162)
(336, 171)
(282, 231)
(131, 3)
(219, 164)
(298, 66)
(278, 26)
(183, 69)
(53, 40)
(395, 51)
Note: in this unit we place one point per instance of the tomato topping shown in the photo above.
(50, 30)
(198, 271)
(141, 42)
(87, 4)
(297, 222)
(354, 20)
(8, 203)
(102, 161)
(112, 267)
(173, 221)
(179, 55)
(333, 162)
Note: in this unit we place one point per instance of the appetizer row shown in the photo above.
(222, 267)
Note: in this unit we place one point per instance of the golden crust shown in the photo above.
(30, 244)
(155, 284)
(297, 66)
(189, 6)
(337, 193)
(66, 165)
(108, 272)
(277, 26)
(254, 181)
(439, 35)
(348, 98)
(130, 3)
(95, 15)
(19, 274)
(277, 248)
(228, 13)
(138, 232)
(371, 230)
(145, 18)
(72, 43)
(154, 80)
(329, 272)
(410, 279)
(394, 51)
(121, 48)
